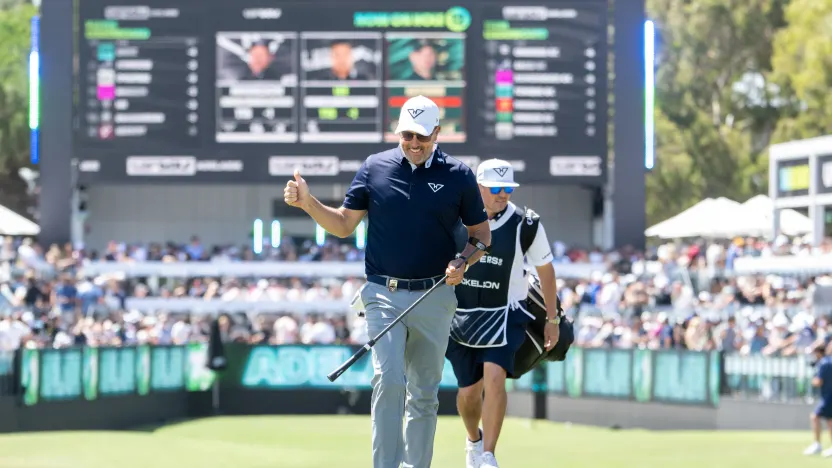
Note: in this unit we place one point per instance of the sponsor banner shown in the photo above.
(576, 166)
(297, 367)
(664, 376)
(172, 166)
(307, 165)
(268, 169)
(93, 373)
(645, 376)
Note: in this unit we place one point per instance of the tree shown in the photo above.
(14, 102)
(802, 68)
(715, 112)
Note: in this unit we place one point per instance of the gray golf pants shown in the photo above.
(407, 361)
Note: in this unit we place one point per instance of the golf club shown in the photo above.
(361, 352)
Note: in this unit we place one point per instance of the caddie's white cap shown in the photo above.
(419, 115)
(496, 173)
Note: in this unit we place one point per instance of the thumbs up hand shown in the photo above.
(296, 192)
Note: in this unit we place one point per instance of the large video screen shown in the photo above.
(247, 91)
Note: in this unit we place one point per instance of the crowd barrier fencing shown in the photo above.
(642, 375)
(255, 374)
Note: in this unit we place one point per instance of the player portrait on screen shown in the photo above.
(425, 59)
(260, 59)
(341, 59)
(254, 56)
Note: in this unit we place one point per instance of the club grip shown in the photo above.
(355, 357)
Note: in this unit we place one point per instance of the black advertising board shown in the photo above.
(218, 91)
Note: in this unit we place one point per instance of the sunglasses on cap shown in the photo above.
(496, 190)
(407, 136)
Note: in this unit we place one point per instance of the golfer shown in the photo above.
(823, 381)
(491, 317)
(414, 195)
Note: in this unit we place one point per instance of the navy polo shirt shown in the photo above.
(824, 372)
(413, 212)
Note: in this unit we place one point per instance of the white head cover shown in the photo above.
(419, 115)
(496, 173)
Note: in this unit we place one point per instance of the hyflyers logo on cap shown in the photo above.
(415, 112)
(455, 19)
(501, 171)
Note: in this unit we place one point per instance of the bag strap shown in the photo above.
(528, 230)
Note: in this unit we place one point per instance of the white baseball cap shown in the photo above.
(496, 173)
(419, 115)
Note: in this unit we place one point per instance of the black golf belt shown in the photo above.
(394, 284)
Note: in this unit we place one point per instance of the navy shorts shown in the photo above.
(468, 362)
(824, 410)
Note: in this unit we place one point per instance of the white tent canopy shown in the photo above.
(704, 219)
(723, 218)
(755, 220)
(12, 224)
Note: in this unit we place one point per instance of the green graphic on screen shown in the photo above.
(455, 19)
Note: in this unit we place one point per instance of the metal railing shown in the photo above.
(769, 378)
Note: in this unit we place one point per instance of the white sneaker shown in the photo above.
(813, 449)
(488, 461)
(473, 452)
(827, 453)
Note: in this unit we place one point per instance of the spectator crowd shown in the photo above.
(672, 296)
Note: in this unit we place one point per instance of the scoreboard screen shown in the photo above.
(247, 91)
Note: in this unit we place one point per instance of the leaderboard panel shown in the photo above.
(240, 92)
(138, 75)
(546, 82)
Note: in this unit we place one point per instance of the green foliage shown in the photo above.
(15, 17)
(14, 86)
(715, 111)
(803, 70)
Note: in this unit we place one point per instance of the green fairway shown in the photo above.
(344, 442)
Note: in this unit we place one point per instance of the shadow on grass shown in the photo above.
(153, 427)
(169, 423)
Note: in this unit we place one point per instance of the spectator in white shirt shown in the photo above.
(296, 291)
(180, 332)
(285, 330)
(315, 293)
(596, 257)
(349, 288)
(12, 333)
(322, 332)
(610, 296)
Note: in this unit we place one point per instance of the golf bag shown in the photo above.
(532, 352)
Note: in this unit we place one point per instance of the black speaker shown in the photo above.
(597, 202)
(216, 350)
